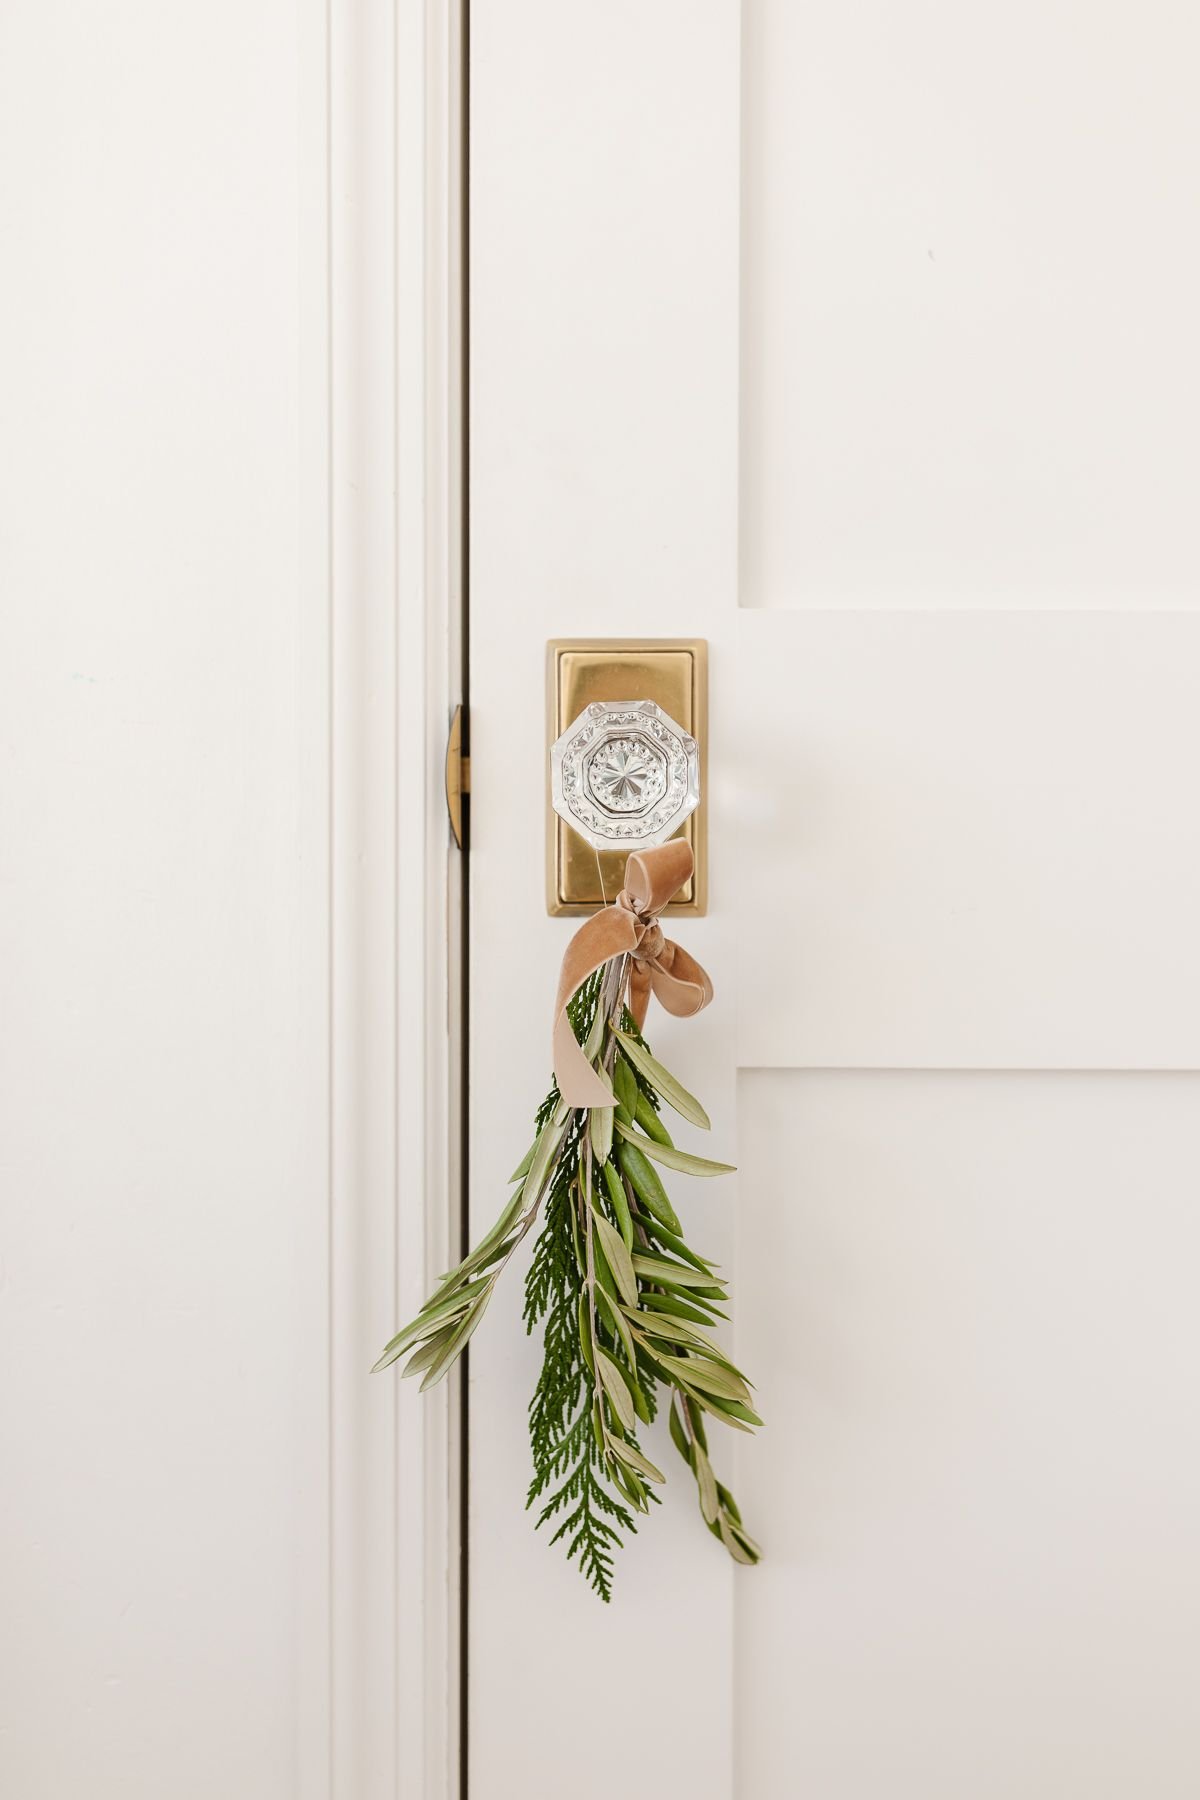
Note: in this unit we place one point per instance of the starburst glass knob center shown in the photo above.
(626, 775)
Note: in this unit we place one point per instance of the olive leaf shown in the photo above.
(629, 1454)
(671, 1274)
(619, 1203)
(679, 1309)
(625, 1087)
(600, 1127)
(435, 1313)
(663, 1082)
(672, 1158)
(613, 1382)
(522, 1168)
(649, 1121)
(672, 1241)
(646, 1184)
(613, 1312)
(706, 1481)
(453, 1350)
(617, 1255)
(548, 1141)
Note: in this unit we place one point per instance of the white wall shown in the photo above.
(198, 958)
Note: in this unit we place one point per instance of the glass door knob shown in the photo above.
(625, 775)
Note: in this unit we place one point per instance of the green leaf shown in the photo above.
(697, 1420)
(661, 1325)
(613, 1312)
(600, 1123)
(728, 1503)
(625, 1086)
(481, 1258)
(457, 1344)
(604, 1275)
(600, 1129)
(710, 1406)
(617, 1255)
(626, 1481)
(429, 1352)
(522, 1168)
(709, 1377)
(613, 1383)
(646, 1185)
(753, 1550)
(734, 1411)
(640, 1404)
(436, 1312)
(676, 1331)
(672, 1158)
(629, 1453)
(438, 1302)
(672, 1241)
(671, 1274)
(487, 1244)
(706, 1481)
(679, 1435)
(664, 1083)
(732, 1542)
(620, 1202)
(649, 1120)
(595, 1037)
(679, 1309)
(544, 1153)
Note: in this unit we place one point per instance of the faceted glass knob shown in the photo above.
(625, 775)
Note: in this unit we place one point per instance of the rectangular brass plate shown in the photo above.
(674, 673)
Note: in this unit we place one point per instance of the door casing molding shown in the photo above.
(379, 123)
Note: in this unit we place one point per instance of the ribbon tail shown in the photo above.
(680, 985)
(606, 934)
(639, 992)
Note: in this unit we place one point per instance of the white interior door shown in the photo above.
(860, 340)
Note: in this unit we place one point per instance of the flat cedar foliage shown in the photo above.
(627, 1307)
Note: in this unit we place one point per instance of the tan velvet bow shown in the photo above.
(652, 878)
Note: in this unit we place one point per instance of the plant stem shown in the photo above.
(597, 1385)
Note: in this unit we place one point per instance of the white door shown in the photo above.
(860, 340)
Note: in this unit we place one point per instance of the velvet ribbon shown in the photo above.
(660, 967)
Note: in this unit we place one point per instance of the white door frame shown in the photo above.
(381, 121)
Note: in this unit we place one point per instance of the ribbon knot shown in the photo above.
(651, 946)
(629, 927)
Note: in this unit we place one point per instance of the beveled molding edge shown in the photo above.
(628, 681)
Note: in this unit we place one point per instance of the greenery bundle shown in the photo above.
(628, 1305)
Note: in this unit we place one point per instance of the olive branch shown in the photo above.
(629, 1306)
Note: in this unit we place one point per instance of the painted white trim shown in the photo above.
(393, 449)
(314, 596)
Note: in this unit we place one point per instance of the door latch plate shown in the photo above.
(458, 777)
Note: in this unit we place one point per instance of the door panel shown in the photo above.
(954, 833)
(968, 287)
(929, 514)
(969, 1301)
